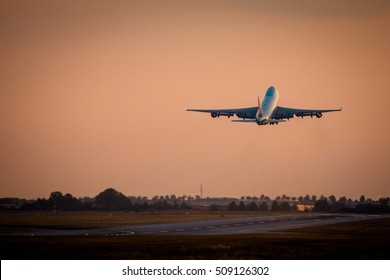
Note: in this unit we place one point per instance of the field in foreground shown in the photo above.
(355, 240)
(10, 221)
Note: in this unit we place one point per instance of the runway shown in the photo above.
(222, 226)
(244, 225)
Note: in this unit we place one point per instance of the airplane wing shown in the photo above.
(244, 113)
(287, 113)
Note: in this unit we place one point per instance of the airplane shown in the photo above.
(267, 112)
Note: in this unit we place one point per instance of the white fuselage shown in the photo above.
(268, 105)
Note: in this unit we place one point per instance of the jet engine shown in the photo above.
(319, 115)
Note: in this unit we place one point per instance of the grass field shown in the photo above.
(93, 219)
(356, 240)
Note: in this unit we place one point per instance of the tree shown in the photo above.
(342, 201)
(136, 207)
(40, 204)
(232, 206)
(70, 203)
(332, 199)
(263, 206)
(384, 201)
(284, 206)
(145, 206)
(111, 199)
(241, 206)
(275, 206)
(321, 205)
(65, 202)
(56, 199)
(253, 206)
(185, 206)
(166, 205)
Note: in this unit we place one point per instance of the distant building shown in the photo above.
(11, 203)
(304, 207)
(205, 203)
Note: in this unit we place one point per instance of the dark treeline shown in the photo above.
(112, 200)
(108, 200)
(262, 206)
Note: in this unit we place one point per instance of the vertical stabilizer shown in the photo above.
(259, 110)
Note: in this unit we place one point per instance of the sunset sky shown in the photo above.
(93, 95)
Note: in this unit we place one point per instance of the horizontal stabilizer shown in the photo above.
(246, 121)
(261, 122)
(273, 121)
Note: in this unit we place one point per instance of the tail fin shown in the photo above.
(259, 110)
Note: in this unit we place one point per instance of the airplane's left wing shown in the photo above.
(244, 113)
(287, 113)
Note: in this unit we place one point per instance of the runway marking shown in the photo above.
(211, 227)
(163, 231)
(195, 228)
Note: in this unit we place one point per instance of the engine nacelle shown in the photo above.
(318, 115)
(214, 115)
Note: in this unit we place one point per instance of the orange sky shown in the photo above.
(92, 95)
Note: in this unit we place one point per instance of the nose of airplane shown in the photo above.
(270, 91)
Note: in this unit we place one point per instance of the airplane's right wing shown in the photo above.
(244, 113)
(287, 113)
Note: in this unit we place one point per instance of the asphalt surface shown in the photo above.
(221, 226)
